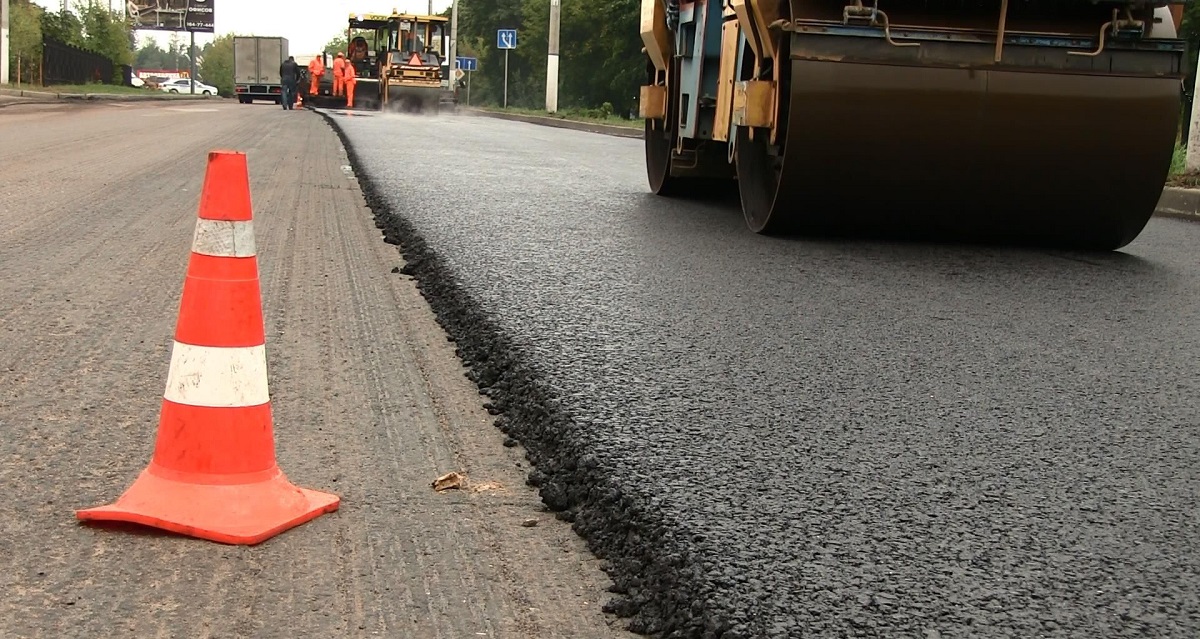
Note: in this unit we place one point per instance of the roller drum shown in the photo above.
(995, 154)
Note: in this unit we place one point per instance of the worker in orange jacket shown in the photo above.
(349, 77)
(339, 71)
(316, 69)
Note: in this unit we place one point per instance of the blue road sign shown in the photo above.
(506, 39)
(468, 64)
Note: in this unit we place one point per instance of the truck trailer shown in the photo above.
(256, 61)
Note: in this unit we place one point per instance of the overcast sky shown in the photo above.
(307, 25)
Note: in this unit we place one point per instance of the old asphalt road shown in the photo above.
(97, 209)
(783, 438)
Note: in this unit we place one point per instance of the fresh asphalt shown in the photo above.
(792, 437)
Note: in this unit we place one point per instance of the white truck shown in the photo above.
(256, 61)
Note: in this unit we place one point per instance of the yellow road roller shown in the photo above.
(1045, 121)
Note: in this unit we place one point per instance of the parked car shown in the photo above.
(180, 85)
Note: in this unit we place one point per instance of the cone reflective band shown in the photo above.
(213, 474)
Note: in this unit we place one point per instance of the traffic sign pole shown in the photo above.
(467, 65)
(506, 39)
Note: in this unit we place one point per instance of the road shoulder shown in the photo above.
(368, 399)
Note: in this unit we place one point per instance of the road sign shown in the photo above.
(467, 64)
(459, 73)
(506, 39)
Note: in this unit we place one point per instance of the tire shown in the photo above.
(206, 92)
(172, 91)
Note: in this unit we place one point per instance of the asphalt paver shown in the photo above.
(785, 437)
(97, 210)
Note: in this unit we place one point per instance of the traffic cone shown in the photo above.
(213, 474)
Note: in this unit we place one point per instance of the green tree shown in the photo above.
(25, 40)
(601, 63)
(217, 66)
(64, 27)
(106, 33)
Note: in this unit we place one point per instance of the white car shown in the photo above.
(180, 85)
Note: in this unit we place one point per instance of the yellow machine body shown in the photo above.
(1046, 121)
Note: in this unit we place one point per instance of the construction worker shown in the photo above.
(316, 69)
(358, 49)
(349, 77)
(339, 71)
(289, 76)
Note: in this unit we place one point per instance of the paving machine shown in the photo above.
(416, 68)
(1047, 121)
(400, 64)
(366, 36)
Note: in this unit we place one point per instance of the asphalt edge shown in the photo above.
(605, 129)
(639, 554)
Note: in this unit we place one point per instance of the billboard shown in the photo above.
(171, 15)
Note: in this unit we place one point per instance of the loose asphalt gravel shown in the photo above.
(785, 437)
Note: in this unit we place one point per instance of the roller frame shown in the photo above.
(1015, 54)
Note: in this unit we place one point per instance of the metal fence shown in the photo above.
(65, 64)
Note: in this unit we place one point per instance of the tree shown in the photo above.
(25, 39)
(106, 33)
(64, 27)
(93, 28)
(217, 65)
(600, 52)
(152, 56)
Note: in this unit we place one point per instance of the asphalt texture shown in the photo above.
(368, 402)
(792, 437)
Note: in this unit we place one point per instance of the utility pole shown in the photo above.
(1192, 159)
(192, 58)
(3, 42)
(552, 60)
(452, 83)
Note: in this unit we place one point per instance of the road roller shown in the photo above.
(1044, 121)
(400, 64)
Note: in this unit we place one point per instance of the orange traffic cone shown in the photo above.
(213, 474)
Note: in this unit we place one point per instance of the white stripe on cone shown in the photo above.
(222, 238)
(220, 377)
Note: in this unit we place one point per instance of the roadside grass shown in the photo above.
(94, 88)
(1178, 176)
(591, 116)
(108, 89)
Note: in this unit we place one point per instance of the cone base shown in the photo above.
(244, 514)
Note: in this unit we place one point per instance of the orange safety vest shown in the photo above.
(316, 67)
(349, 74)
(339, 66)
